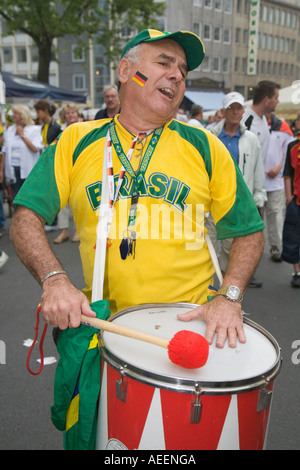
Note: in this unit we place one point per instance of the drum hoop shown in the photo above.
(183, 385)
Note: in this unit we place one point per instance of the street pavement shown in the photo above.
(25, 400)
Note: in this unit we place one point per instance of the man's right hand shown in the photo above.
(62, 303)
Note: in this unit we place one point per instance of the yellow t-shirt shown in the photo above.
(190, 173)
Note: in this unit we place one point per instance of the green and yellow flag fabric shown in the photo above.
(77, 383)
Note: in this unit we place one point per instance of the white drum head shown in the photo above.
(225, 366)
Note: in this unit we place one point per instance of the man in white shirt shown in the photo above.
(280, 136)
(265, 100)
(196, 116)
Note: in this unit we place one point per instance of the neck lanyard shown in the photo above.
(128, 244)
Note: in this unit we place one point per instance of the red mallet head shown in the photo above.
(188, 349)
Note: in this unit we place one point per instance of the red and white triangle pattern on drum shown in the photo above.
(153, 418)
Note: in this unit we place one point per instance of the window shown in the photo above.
(287, 45)
(286, 70)
(238, 35)
(207, 31)
(247, 8)
(228, 6)
(79, 82)
(293, 44)
(205, 66)
(7, 54)
(218, 4)
(216, 64)
(237, 64)
(197, 28)
(277, 15)
(226, 64)
(217, 34)
(265, 13)
(78, 54)
(292, 70)
(227, 36)
(21, 54)
(281, 45)
(244, 65)
(208, 3)
(197, 3)
(271, 14)
(270, 42)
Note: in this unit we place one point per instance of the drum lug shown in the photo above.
(121, 387)
(196, 407)
(264, 399)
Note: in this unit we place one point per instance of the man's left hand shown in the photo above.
(222, 317)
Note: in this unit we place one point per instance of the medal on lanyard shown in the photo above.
(128, 243)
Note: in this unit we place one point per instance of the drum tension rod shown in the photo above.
(121, 386)
(196, 406)
(264, 398)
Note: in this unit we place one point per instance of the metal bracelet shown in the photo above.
(53, 273)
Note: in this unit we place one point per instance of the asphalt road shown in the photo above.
(25, 400)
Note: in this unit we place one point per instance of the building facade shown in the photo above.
(234, 60)
(277, 44)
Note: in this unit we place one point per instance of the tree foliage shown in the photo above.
(127, 16)
(45, 20)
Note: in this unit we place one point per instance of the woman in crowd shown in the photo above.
(50, 128)
(21, 148)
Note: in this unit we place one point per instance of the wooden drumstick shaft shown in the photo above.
(124, 331)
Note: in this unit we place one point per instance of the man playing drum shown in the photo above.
(171, 165)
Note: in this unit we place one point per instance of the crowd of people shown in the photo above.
(255, 137)
(261, 144)
(25, 137)
(137, 142)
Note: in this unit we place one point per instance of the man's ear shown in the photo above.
(125, 70)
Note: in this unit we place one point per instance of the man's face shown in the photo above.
(234, 113)
(164, 65)
(271, 103)
(111, 99)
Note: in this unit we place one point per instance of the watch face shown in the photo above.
(233, 292)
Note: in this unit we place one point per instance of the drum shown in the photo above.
(147, 402)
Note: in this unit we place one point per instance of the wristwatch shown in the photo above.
(232, 293)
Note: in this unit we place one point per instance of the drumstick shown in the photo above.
(186, 349)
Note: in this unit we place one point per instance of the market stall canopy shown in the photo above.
(209, 100)
(22, 87)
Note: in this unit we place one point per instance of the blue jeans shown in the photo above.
(291, 234)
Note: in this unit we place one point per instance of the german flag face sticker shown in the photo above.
(139, 78)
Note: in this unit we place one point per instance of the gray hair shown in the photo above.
(110, 87)
(134, 54)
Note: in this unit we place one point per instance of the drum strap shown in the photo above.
(102, 230)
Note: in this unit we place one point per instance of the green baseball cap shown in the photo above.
(190, 42)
